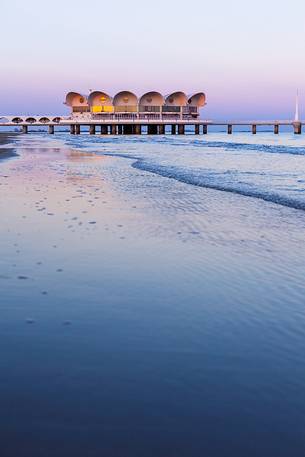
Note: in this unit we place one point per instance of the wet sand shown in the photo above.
(6, 138)
(141, 316)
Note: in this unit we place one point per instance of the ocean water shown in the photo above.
(265, 166)
(152, 296)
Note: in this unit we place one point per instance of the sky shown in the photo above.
(248, 57)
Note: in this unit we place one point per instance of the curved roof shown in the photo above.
(76, 99)
(125, 98)
(152, 99)
(176, 99)
(197, 99)
(98, 98)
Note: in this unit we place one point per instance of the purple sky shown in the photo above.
(247, 57)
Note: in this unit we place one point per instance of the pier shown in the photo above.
(153, 114)
(138, 126)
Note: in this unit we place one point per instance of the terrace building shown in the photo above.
(126, 105)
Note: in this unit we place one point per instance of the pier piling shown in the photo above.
(276, 129)
(230, 129)
(127, 129)
(77, 129)
(205, 129)
(152, 129)
(181, 129)
(254, 129)
(161, 129)
(297, 127)
(92, 129)
(24, 129)
(173, 129)
(138, 129)
(196, 129)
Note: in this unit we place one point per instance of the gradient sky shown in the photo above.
(249, 57)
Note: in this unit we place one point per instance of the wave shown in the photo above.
(274, 149)
(187, 141)
(205, 181)
(268, 183)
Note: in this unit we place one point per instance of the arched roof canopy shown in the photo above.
(17, 120)
(76, 99)
(176, 99)
(4, 120)
(31, 120)
(198, 99)
(44, 120)
(152, 99)
(125, 98)
(98, 98)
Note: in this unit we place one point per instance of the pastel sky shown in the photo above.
(247, 56)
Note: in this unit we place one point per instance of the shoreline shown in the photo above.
(234, 180)
(141, 164)
(7, 154)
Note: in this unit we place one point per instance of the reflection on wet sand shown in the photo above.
(5, 151)
(134, 305)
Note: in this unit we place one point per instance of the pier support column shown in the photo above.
(152, 129)
(24, 129)
(104, 130)
(92, 129)
(120, 130)
(138, 129)
(297, 127)
(196, 129)
(113, 129)
(205, 129)
(230, 129)
(181, 129)
(77, 129)
(173, 129)
(72, 129)
(254, 129)
(276, 129)
(127, 129)
(51, 129)
(161, 129)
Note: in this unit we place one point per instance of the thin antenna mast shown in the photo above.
(296, 118)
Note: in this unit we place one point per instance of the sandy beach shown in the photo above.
(141, 315)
